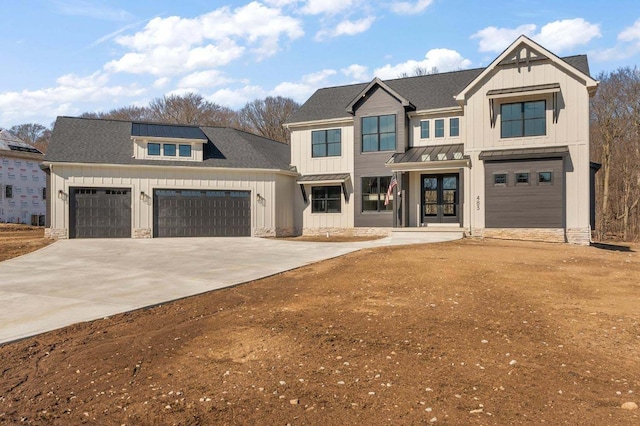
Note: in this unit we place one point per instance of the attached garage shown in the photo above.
(100, 213)
(524, 193)
(197, 213)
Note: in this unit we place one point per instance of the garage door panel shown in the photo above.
(532, 205)
(198, 213)
(100, 213)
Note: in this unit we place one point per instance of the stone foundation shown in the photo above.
(347, 232)
(527, 234)
(264, 232)
(580, 236)
(141, 233)
(56, 234)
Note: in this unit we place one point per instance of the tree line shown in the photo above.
(264, 117)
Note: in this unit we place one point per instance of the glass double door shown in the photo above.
(440, 198)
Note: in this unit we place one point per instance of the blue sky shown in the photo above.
(66, 57)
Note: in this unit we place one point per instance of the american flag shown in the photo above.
(392, 184)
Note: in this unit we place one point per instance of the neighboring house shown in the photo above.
(22, 183)
(110, 178)
(501, 151)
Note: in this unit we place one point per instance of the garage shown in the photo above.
(100, 213)
(525, 193)
(201, 213)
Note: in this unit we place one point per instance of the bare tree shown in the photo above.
(191, 108)
(418, 71)
(34, 134)
(266, 117)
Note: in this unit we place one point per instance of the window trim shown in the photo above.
(457, 120)
(523, 120)
(422, 129)
(382, 192)
(182, 145)
(326, 199)
(155, 144)
(326, 143)
(549, 183)
(378, 133)
(435, 132)
(164, 150)
(506, 179)
(522, 172)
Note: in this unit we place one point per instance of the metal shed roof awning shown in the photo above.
(524, 90)
(429, 157)
(525, 153)
(326, 178)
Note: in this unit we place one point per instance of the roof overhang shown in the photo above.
(168, 139)
(384, 86)
(525, 153)
(346, 121)
(323, 179)
(524, 91)
(429, 157)
(436, 112)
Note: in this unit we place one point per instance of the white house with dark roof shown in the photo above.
(110, 179)
(22, 183)
(501, 151)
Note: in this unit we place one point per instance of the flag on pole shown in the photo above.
(392, 184)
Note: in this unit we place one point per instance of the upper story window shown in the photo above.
(424, 129)
(8, 191)
(153, 148)
(185, 150)
(440, 128)
(454, 127)
(379, 133)
(523, 119)
(326, 143)
(169, 149)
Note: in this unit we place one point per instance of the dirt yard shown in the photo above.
(16, 240)
(469, 332)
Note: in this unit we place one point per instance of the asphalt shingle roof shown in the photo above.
(425, 92)
(99, 141)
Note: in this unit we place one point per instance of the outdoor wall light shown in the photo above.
(142, 195)
(61, 194)
(259, 198)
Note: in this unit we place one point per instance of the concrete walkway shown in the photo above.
(73, 281)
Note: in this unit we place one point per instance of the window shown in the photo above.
(8, 191)
(326, 199)
(545, 178)
(185, 150)
(379, 133)
(424, 129)
(374, 191)
(153, 148)
(522, 178)
(169, 150)
(454, 127)
(326, 143)
(500, 179)
(44, 193)
(440, 128)
(523, 119)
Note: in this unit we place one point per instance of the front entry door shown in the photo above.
(440, 198)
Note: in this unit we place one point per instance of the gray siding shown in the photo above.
(525, 206)
(378, 102)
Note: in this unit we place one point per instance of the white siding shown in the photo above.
(415, 132)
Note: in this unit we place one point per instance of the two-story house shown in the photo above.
(500, 151)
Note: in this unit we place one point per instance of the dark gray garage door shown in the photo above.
(524, 194)
(100, 213)
(196, 213)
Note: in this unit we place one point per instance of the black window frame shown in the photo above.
(326, 196)
(153, 144)
(164, 150)
(180, 154)
(546, 182)
(325, 143)
(438, 132)
(457, 127)
(382, 183)
(424, 129)
(527, 126)
(517, 180)
(8, 191)
(506, 179)
(378, 134)
(44, 193)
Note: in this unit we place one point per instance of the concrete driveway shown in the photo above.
(73, 281)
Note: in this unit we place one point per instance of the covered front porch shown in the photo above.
(431, 184)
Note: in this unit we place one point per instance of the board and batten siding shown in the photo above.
(370, 164)
(266, 219)
(571, 129)
(415, 130)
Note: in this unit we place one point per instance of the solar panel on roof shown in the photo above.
(167, 131)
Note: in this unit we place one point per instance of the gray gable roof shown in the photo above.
(98, 141)
(425, 92)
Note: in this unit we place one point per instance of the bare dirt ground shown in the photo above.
(16, 240)
(467, 332)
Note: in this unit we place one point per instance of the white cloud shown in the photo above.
(347, 28)
(237, 98)
(201, 79)
(441, 59)
(299, 92)
(280, 3)
(166, 46)
(327, 7)
(161, 82)
(91, 10)
(70, 92)
(631, 33)
(319, 77)
(410, 8)
(557, 36)
(358, 72)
